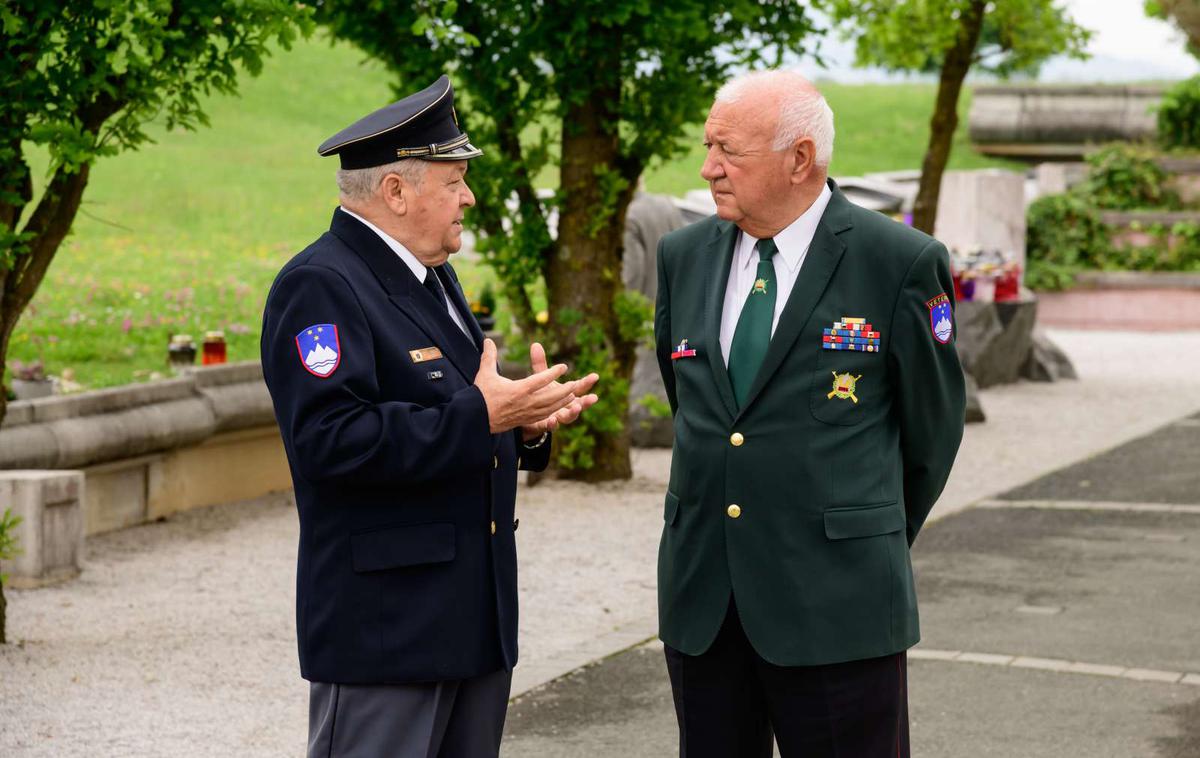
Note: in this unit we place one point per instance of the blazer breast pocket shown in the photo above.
(845, 385)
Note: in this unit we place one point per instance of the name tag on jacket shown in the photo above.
(425, 354)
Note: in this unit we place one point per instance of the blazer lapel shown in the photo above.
(408, 294)
(822, 260)
(719, 257)
(456, 293)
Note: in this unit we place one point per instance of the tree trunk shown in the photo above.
(945, 115)
(50, 222)
(3, 609)
(588, 250)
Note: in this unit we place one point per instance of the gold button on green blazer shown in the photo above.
(803, 502)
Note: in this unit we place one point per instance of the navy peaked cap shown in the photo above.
(422, 125)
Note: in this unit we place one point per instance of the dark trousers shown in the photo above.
(729, 702)
(463, 718)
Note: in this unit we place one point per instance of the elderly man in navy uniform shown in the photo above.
(404, 445)
(807, 346)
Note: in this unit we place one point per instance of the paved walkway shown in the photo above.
(1061, 620)
(178, 638)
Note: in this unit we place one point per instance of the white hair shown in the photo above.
(359, 184)
(803, 111)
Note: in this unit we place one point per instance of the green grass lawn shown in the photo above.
(186, 235)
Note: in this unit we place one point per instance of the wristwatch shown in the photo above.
(540, 441)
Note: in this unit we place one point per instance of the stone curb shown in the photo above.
(72, 431)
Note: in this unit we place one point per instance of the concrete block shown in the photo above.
(116, 495)
(224, 469)
(240, 406)
(111, 400)
(50, 535)
(132, 432)
(29, 446)
(229, 373)
(19, 412)
(1076, 114)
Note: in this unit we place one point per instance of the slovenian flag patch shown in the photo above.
(320, 352)
(940, 318)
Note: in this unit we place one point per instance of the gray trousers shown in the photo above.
(461, 718)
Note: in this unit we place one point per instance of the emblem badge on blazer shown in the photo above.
(425, 354)
(940, 318)
(683, 351)
(843, 387)
(319, 349)
(851, 333)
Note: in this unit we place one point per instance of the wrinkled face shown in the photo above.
(435, 210)
(749, 180)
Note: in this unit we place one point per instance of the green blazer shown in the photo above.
(832, 479)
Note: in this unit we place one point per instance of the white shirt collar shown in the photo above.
(793, 241)
(419, 269)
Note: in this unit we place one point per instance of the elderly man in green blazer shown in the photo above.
(807, 347)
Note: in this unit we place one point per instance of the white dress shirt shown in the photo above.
(420, 270)
(792, 243)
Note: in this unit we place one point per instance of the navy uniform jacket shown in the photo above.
(407, 565)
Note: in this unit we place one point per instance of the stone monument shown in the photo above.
(649, 218)
(997, 341)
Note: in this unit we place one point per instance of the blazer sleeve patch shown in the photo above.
(941, 319)
(319, 349)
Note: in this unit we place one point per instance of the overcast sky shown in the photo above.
(1125, 46)
(1122, 30)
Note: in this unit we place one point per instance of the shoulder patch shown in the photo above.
(941, 320)
(319, 349)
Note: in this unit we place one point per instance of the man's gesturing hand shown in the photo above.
(566, 414)
(524, 402)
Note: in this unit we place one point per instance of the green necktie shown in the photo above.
(753, 333)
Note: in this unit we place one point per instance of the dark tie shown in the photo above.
(752, 335)
(433, 283)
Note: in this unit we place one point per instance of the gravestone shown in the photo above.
(50, 534)
(648, 219)
(983, 209)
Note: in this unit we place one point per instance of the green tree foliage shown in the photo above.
(81, 79)
(596, 89)
(951, 38)
(1179, 116)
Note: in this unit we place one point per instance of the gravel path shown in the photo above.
(178, 637)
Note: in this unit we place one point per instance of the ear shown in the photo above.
(804, 159)
(395, 193)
